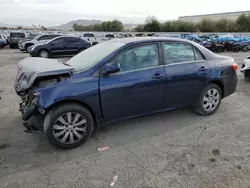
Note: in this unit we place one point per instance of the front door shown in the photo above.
(139, 87)
(57, 47)
(186, 73)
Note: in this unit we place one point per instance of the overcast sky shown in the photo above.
(56, 12)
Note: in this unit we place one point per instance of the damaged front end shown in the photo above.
(32, 114)
(35, 74)
(29, 104)
(245, 68)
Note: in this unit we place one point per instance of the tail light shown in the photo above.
(235, 66)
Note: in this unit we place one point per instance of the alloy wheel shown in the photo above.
(43, 54)
(70, 128)
(211, 99)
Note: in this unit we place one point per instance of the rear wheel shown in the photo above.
(209, 100)
(44, 54)
(68, 126)
(247, 75)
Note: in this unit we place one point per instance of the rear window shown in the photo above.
(88, 35)
(17, 35)
(110, 36)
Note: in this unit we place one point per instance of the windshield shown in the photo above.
(36, 37)
(48, 41)
(90, 57)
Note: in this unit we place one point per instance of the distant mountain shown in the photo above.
(69, 25)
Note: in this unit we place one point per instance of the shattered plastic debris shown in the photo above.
(191, 164)
(114, 179)
(103, 148)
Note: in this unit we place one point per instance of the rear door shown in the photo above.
(187, 73)
(72, 45)
(139, 88)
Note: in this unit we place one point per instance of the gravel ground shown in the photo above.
(172, 149)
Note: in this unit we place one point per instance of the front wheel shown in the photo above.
(43, 54)
(209, 100)
(68, 126)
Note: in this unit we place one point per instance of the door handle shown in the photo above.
(202, 69)
(157, 76)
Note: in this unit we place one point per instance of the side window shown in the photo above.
(72, 40)
(49, 37)
(138, 58)
(198, 55)
(178, 52)
(58, 41)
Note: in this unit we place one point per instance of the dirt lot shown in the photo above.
(171, 149)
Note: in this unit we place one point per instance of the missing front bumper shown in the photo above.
(34, 123)
(27, 111)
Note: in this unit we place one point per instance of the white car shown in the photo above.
(245, 69)
(92, 38)
(39, 39)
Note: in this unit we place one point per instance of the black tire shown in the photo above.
(27, 46)
(199, 106)
(58, 111)
(247, 76)
(43, 51)
(11, 46)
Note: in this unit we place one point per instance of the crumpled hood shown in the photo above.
(32, 67)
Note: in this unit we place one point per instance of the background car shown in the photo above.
(59, 46)
(39, 39)
(110, 36)
(245, 69)
(15, 37)
(120, 79)
(92, 38)
(3, 40)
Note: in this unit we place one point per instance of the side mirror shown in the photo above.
(111, 68)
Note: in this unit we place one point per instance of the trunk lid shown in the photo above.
(223, 61)
(31, 68)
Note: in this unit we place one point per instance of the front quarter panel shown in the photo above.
(85, 90)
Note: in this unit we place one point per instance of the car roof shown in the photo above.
(138, 40)
(59, 37)
(148, 39)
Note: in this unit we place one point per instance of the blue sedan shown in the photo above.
(119, 79)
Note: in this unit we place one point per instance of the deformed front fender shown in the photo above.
(86, 92)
